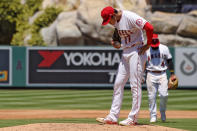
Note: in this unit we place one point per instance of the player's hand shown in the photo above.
(143, 80)
(115, 44)
(143, 49)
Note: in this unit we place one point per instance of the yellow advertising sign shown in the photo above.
(3, 75)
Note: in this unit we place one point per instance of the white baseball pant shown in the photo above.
(157, 82)
(131, 66)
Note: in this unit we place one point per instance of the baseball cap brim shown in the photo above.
(106, 21)
(155, 45)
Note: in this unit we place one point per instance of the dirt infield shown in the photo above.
(41, 114)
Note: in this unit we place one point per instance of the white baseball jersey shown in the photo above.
(130, 28)
(157, 59)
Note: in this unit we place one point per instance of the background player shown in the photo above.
(129, 27)
(159, 60)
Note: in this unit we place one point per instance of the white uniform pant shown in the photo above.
(131, 66)
(157, 82)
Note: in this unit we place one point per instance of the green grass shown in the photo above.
(7, 123)
(91, 100)
(187, 124)
(87, 99)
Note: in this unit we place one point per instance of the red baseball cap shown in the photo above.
(155, 41)
(106, 14)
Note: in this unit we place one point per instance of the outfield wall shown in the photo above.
(64, 67)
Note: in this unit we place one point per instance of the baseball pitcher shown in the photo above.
(129, 27)
(159, 60)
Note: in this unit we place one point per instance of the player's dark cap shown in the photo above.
(106, 14)
(155, 41)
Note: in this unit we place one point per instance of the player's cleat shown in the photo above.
(153, 120)
(106, 120)
(127, 122)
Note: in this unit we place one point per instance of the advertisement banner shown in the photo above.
(19, 66)
(186, 66)
(5, 66)
(64, 66)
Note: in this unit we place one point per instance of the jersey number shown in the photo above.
(127, 39)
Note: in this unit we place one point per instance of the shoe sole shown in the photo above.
(133, 124)
(106, 122)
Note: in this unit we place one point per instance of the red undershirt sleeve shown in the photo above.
(149, 32)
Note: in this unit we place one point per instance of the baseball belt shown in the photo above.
(133, 45)
(157, 71)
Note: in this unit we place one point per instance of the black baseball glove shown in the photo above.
(116, 36)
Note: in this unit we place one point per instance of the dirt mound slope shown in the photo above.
(85, 127)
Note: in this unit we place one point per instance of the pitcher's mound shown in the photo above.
(85, 127)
